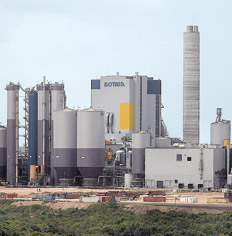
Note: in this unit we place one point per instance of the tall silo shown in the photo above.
(140, 141)
(57, 102)
(12, 133)
(220, 130)
(3, 151)
(33, 133)
(57, 97)
(64, 159)
(43, 126)
(90, 144)
(191, 86)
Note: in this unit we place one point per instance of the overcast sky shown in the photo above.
(75, 41)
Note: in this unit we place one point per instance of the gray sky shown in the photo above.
(75, 41)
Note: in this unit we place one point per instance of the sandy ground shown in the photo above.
(31, 192)
(137, 205)
(55, 205)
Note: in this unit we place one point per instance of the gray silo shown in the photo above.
(51, 97)
(58, 97)
(90, 144)
(64, 159)
(43, 125)
(220, 130)
(3, 151)
(191, 86)
(12, 133)
(57, 102)
(140, 141)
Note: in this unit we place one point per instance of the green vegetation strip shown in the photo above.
(108, 219)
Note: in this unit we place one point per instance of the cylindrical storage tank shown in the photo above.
(64, 160)
(43, 125)
(129, 160)
(57, 93)
(57, 103)
(120, 157)
(12, 132)
(33, 132)
(90, 144)
(140, 141)
(128, 178)
(3, 151)
(220, 131)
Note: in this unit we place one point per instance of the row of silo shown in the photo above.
(44, 100)
(79, 145)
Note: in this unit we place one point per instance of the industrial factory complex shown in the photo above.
(120, 141)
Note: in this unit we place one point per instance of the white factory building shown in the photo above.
(197, 167)
(131, 103)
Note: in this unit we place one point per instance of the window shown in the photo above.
(160, 184)
(189, 158)
(178, 157)
(200, 186)
(180, 185)
(190, 186)
(176, 181)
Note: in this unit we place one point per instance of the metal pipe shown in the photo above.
(65, 100)
(50, 127)
(111, 121)
(16, 135)
(98, 181)
(107, 121)
(43, 110)
(201, 163)
(228, 160)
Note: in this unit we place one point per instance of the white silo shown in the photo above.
(90, 144)
(12, 133)
(51, 97)
(57, 103)
(64, 159)
(140, 141)
(220, 130)
(43, 125)
(191, 86)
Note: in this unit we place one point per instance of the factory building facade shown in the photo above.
(120, 141)
(185, 167)
(131, 103)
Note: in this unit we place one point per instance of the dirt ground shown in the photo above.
(140, 209)
(55, 205)
(31, 192)
(172, 198)
(201, 196)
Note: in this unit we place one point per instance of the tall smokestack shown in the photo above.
(191, 104)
